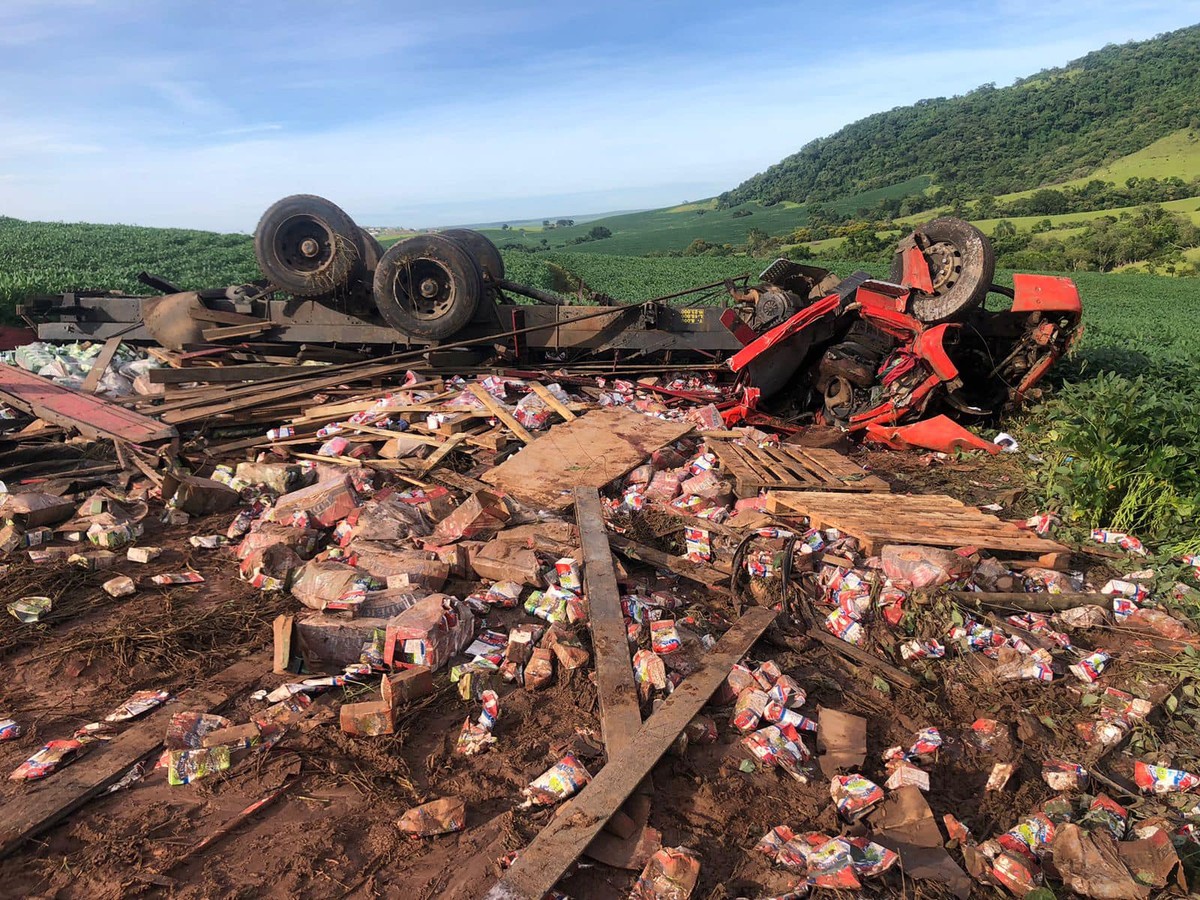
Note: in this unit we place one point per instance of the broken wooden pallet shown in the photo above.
(590, 450)
(932, 520)
(787, 467)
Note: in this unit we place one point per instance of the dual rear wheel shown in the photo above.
(428, 286)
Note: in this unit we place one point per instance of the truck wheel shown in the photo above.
(372, 253)
(961, 265)
(427, 287)
(483, 250)
(307, 246)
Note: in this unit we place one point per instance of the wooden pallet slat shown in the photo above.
(753, 468)
(932, 520)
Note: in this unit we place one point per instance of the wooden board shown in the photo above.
(933, 520)
(580, 819)
(590, 451)
(551, 401)
(100, 366)
(701, 573)
(789, 467)
(91, 416)
(498, 410)
(44, 803)
(232, 332)
(620, 717)
(215, 374)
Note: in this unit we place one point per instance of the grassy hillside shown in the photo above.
(1059, 124)
(673, 228)
(1176, 155)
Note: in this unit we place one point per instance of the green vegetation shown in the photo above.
(673, 229)
(1175, 156)
(1153, 235)
(1056, 125)
(1122, 453)
(49, 257)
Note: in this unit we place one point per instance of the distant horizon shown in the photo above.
(114, 111)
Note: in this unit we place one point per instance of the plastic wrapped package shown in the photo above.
(923, 567)
(430, 632)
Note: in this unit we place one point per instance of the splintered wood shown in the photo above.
(752, 468)
(589, 451)
(931, 520)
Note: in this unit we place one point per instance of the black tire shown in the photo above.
(427, 287)
(307, 246)
(372, 254)
(962, 264)
(487, 257)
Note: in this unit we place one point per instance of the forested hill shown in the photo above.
(1058, 124)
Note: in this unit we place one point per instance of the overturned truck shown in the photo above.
(856, 352)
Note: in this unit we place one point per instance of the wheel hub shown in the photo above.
(425, 288)
(945, 265)
(303, 244)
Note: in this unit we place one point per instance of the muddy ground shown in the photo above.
(333, 835)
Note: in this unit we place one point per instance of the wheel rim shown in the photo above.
(424, 288)
(945, 266)
(304, 244)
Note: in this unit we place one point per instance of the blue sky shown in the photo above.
(202, 113)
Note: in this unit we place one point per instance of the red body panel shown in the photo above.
(939, 433)
(1045, 292)
(782, 332)
(916, 270)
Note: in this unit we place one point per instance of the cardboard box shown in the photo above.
(428, 634)
(499, 560)
(334, 643)
(198, 496)
(483, 513)
(407, 685)
(325, 503)
(368, 719)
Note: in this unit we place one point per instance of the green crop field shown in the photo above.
(673, 228)
(1129, 318)
(48, 257)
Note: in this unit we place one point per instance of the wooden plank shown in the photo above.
(620, 717)
(42, 804)
(204, 314)
(93, 417)
(440, 453)
(930, 520)
(500, 412)
(784, 469)
(792, 468)
(551, 401)
(216, 374)
(592, 450)
(697, 572)
(580, 819)
(295, 383)
(232, 332)
(100, 366)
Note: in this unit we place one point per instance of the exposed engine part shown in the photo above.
(773, 307)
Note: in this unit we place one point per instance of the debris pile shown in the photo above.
(571, 632)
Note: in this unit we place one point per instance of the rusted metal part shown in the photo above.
(93, 417)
